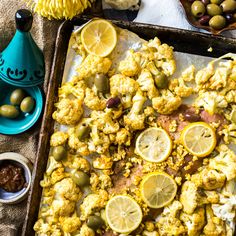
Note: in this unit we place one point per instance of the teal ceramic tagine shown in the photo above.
(21, 66)
(22, 62)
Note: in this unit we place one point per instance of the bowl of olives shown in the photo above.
(20, 108)
(214, 16)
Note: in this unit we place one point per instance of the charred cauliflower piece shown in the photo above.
(58, 138)
(70, 224)
(92, 65)
(169, 224)
(123, 136)
(178, 87)
(68, 111)
(86, 231)
(134, 120)
(203, 76)
(166, 103)
(224, 162)
(229, 133)
(194, 222)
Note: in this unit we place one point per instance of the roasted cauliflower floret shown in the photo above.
(70, 224)
(178, 87)
(204, 75)
(102, 181)
(194, 222)
(134, 120)
(230, 96)
(229, 133)
(62, 207)
(52, 165)
(189, 73)
(58, 174)
(169, 224)
(43, 228)
(215, 226)
(147, 84)
(129, 66)
(86, 231)
(68, 111)
(103, 162)
(80, 163)
(147, 233)
(224, 162)
(209, 179)
(92, 203)
(211, 101)
(166, 103)
(123, 136)
(58, 138)
(67, 189)
(125, 86)
(104, 121)
(92, 65)
(93, 101)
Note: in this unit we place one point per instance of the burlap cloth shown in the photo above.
(44, 33)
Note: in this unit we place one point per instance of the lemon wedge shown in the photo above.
(153, 144)
(99, 37)
(199, 138)
(158, 189)
(123, 214)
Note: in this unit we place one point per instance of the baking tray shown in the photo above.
(182, 41)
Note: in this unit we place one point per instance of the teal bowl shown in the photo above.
(25, 120)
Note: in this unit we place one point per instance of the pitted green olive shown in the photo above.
(228, 5)
(82, 132)
(27, 104)
(95, 222)
(161, 80)
(101, 82)
(198, 8)
(59, 153)
(213, 9)
(80, 178)
(9, 111)
(216, 1)
(217, 22)
(17, 96)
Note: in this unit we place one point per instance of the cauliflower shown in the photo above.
(210, 101)
(147, 84)
(123, 136)
(166, 103)
(169, 224)
(209, 179)
(125, 86)
(99, 142)
(46, 182)
(69, 88)
(58, 174)
(68, 111)
(92, 65)
(194, 222)
(43, 228)
(129, 66)
(67, 189)
(189, 73)
(100, 182)
(52, 165)
(215, 226)
(86, 231)
(58, 138)
(229, 133)
(230, 96)
(93, 101)
(105, 122)
(224, 162)
(178, 87)
(93, 202)
(70, 224)
(147, 233)
(204, 75)
(80, 163)
(103, 163)
(62, 207)
(134, 119)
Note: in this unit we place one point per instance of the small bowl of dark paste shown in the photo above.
(15, 177)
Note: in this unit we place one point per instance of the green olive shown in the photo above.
(217, 22)
(161, 80)
(95, 222)
(198, 8)
(9, 111)
(59, 153)
(82, 132)
(80, 178)
(228, 5)
(27, 104)
(101, 82)
(17, 96)
(216, 1)
(213, 9)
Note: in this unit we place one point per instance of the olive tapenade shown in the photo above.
(12, 178)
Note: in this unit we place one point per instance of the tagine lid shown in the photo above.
(22, 62)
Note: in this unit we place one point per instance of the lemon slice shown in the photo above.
(158, 189)
(123, 214)
(99, 37)
(153, 144)
(199, 138)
